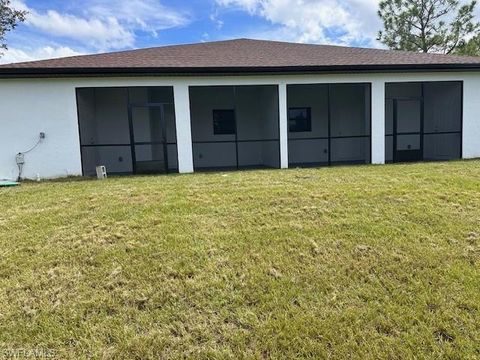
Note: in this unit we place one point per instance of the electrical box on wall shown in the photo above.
(20, 157)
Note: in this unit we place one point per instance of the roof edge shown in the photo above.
(138, 71)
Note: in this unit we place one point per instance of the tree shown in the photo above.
(9, 18)
(438, 26)
(470, 47)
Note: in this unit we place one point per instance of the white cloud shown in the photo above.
(101, 25)
(147, 15)
(101, 34)
(218, 23)
(48, 52)
(319, 21)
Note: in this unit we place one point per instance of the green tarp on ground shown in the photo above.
(8, 183)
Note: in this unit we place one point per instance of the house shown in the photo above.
(235, 104)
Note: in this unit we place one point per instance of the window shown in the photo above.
(299, 119)
(223, 122)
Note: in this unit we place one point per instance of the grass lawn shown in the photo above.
(343, 262)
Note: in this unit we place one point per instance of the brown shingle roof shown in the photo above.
(243, 55)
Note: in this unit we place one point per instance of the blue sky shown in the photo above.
(57, 28)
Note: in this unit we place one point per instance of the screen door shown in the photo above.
(148, 139)
(407, 130)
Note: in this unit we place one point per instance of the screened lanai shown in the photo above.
(127, 130)
(234, 127)
(328, 124)
(423, 121)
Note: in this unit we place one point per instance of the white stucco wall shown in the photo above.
(29, 106)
